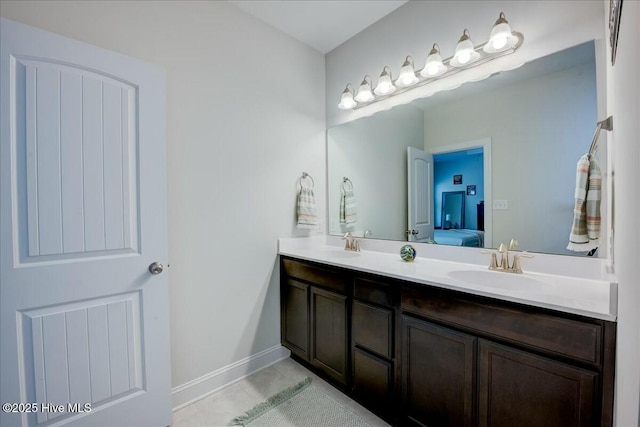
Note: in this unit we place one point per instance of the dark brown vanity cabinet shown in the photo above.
(314, 319)
(477, 361)
(421, 355)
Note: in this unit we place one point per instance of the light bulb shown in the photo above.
(407, 75)
(465, 52)
(364, 93)
(499, 42)
(384, 88)
(434, 66)
(385, 85)
(501, 37)
(346, 100)
(463, 57)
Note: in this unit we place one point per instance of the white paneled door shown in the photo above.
(85, 328)
(420, 195)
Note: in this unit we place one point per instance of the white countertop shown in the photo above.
(578, 295)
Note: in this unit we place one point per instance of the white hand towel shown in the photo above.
(348, 208)
(306, 209)
(347, 204)
(585, 232)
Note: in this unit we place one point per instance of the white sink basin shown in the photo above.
(498, 280)
(340, 253)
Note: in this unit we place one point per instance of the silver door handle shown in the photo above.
(155, 268)
(414, 232)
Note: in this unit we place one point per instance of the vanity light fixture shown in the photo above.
(346, 100)
(502, 41)
(364, 93)
(407, 75)
(385, 84)
(434, 66)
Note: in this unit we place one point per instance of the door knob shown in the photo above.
(414, 232)
(155, 268)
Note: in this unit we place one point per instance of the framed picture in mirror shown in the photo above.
(615, 9)
(471, 190)
(457, 179)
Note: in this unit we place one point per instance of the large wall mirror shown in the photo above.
(508, 146)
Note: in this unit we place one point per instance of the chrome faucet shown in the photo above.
(352, 244)
(504, 265)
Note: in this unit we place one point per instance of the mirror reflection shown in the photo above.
(506, 148)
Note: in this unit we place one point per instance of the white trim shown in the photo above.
(199, 388)
(485, 143)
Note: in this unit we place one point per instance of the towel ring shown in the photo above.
(305, 176)
(346, 181)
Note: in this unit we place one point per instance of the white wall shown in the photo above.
(372, 153)
(548, 128)
(623, 102)
(245, 117)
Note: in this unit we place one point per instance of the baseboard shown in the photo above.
(200, 388)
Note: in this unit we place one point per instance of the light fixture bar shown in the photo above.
(451, 70)
(502, 41)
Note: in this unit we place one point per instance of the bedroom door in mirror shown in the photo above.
(419, 197)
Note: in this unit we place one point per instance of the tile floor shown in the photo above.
(222, 406)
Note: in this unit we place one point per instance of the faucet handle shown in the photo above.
(512, 244)
(493, 264)
(349, 241)
(516, 268)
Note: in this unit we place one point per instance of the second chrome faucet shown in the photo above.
(505, 265)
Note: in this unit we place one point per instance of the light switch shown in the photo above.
(500, 205)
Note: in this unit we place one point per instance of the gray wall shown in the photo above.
(372, 153)
(539, 128)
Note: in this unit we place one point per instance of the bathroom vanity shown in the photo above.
(418, 345)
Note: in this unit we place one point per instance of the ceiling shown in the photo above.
(321, 24)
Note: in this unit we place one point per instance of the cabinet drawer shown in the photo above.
(372, 291)
(535, 329)
(372, 381)
(316, 275)
(373, 328)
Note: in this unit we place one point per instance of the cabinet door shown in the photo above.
(329, 333)
(438, 374)
(295, 317)
(517, 388)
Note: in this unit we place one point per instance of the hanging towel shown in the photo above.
(585, 232)
(347, 204)
(306, 209)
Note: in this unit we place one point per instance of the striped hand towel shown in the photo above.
(585, 232)
(347, 207)
(306, 209)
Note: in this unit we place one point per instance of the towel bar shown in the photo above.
(606, 124)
